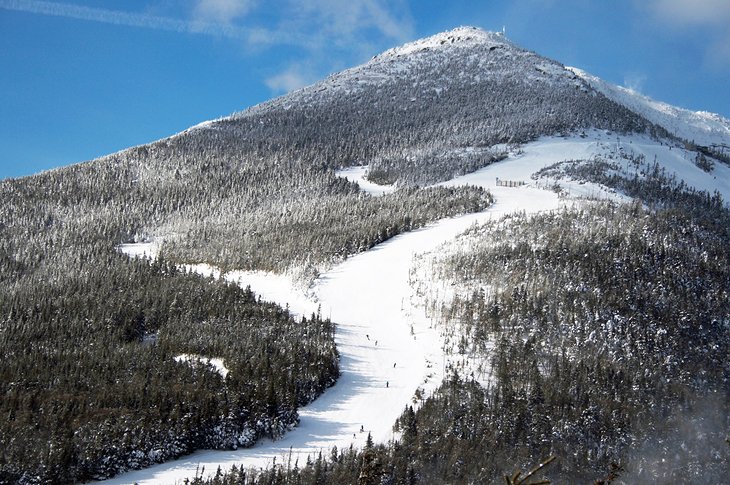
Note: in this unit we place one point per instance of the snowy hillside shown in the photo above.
(422, 107)
(700, 127)
(400, 330)
(341, 204)
(390, 352)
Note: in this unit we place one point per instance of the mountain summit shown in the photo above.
(425, 100)
(458, 37)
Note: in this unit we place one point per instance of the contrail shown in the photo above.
(117, 17)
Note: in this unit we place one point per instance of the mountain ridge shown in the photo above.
(715, 126)
(701, 127)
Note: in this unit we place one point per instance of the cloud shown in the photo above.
(221, 11)
(310, 24)
(692, 13)
(331, 34)
(294, 77)
(634, 81)
(117, 17)
(704, 19)
(344, 19)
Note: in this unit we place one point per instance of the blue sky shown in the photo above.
(80, 79)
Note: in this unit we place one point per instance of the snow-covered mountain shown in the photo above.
(481, 85)
(419, 105)
(291, 196)
(700, 127)
(446, 105)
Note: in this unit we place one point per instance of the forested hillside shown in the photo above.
(91, 336)
(93, 381)
(91, 385)
(604, 330)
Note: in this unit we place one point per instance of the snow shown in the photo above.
(548, 150)
(680, 162)
(147, 250)
(699, 126)
(370, 298)
(278, 288)
(215, 362)
(460, 36)
(202, 269)
(200, 126)
(357, 175)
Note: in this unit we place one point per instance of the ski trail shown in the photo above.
(382, 362)
(369, 297)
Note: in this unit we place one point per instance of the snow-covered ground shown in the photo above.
(547, 150)
(148, 250)
(357, 174)
(699, 126)
(215, 362)
(388, 347)
(382, 362)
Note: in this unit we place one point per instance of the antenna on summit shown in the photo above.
(504, 31)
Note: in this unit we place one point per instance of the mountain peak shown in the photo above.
(464, 36)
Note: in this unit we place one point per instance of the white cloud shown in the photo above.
(692, 12)
(344, 20)
(706, 19)
(222, 11)
(294, 77)
(332, 34)
(634, 81)
(118, 17)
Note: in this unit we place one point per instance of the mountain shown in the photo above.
(425, 101)
(700, 127)
(597, 325)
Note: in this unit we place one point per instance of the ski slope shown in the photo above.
(388, 347)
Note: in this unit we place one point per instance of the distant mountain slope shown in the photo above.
(409, 111)
(700, 127)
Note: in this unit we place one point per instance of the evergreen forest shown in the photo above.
(597, 335)
(600, 331)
